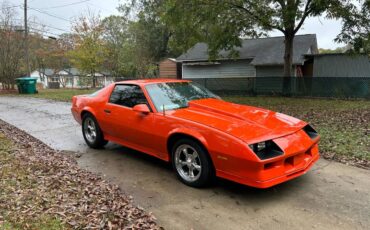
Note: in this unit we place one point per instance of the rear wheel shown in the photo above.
(192, 163)
(92, 133)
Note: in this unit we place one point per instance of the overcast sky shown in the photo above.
(59, 13)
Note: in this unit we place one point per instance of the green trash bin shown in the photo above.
(26, 85)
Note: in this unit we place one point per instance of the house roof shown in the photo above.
(262, 51)
(73, 72)
(336, 54)
(49, 72)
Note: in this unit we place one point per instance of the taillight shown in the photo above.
(74, 100)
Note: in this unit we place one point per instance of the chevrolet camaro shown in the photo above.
(200, 134)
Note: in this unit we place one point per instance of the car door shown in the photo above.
(133, 128)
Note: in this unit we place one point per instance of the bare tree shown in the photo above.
(51, 54)
(11, 47)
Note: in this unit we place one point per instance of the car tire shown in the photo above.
(92, 133)
(192, 163)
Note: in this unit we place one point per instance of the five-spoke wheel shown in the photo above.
(92, 133)
(89, 129)
(188, 163)
(192, 163)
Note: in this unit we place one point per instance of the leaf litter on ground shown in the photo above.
(44, 189)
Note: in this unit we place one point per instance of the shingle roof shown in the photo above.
(263, 51)
(73, 71)
(49, 72)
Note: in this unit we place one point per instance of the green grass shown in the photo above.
(58, 94)
(344, 125)
(14, 180)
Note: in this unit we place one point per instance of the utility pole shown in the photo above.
(26, 40)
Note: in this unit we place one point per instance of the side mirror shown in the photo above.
(142, 108)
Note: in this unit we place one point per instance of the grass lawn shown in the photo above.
(344, 125)
(58, 94)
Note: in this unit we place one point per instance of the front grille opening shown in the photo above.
(272, 165)
(311, 132)
(289, 161)
(309, 153)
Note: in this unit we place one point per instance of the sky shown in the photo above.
(56, 16)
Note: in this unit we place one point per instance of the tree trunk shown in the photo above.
(288, 59)
(93, 79)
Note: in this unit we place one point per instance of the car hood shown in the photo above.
(247, 123)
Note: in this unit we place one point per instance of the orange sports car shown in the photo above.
(200, 134)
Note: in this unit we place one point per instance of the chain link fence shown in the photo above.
(333, 87)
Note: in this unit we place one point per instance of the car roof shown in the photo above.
(150, 81)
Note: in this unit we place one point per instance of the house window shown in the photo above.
(69, 80)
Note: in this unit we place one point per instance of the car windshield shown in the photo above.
(175, 95)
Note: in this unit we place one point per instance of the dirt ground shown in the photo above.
(331, 196)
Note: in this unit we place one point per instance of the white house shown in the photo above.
(41, 77)
(69, 78)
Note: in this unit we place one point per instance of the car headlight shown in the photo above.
(266, 149)
(258, 146)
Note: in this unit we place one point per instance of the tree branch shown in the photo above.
(307, 11)
(257, 17)
(282, 4)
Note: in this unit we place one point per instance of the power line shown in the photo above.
(45, 25)
(44, 32)
(51, 15)
(51, 27)
(70, 4)
(14, 6)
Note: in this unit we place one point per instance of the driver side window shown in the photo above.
(127, 95)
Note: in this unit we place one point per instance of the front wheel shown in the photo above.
(191, 163)
(92, 133)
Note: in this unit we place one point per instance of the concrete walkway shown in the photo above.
(330, 196)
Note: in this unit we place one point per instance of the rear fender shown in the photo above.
(89, 110)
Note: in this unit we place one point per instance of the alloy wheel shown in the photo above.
(90, 129)
(187, 162)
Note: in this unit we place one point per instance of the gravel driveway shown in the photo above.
(330, 196)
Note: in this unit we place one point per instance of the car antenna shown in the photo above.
(163, 110)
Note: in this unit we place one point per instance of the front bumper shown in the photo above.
(287, 169)
(300, 154)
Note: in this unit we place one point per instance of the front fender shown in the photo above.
(190, 132)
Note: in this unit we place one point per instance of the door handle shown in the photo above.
(107, 111)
